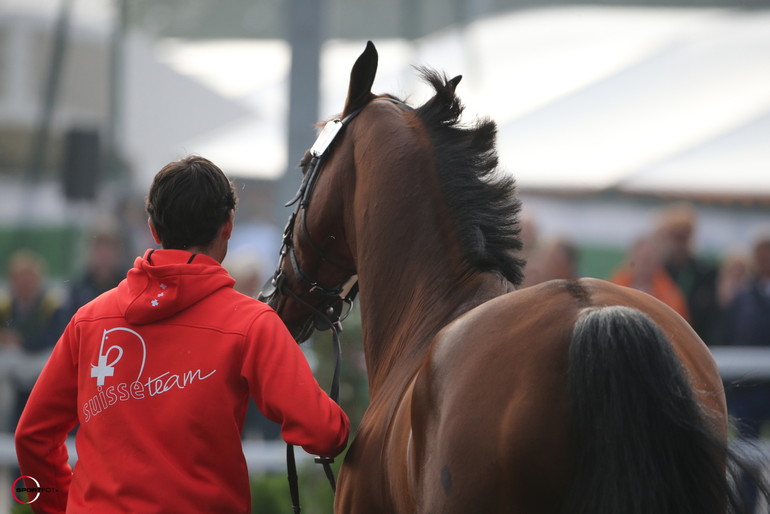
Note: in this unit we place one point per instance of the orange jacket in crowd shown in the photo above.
(663, 288)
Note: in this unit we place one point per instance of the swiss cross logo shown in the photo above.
(154, 302)
(103, 369)
(106, 361)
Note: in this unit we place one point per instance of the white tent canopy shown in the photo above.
(736, 163)
(633, 128)
(586, 98)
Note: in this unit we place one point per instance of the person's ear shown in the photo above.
(153, 231)
(227, 228)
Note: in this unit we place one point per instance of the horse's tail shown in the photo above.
(642, 442)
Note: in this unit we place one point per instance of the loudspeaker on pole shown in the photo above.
(81, 170)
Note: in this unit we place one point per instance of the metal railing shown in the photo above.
(742, 362)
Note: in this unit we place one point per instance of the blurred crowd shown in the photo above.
(34, 311)
(725, 298)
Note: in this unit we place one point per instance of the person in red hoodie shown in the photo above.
(158, 372)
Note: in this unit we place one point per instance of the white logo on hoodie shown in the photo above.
(137, 389)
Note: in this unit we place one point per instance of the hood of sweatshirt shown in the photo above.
(165, 282)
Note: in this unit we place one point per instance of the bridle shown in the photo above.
(329, 312)
(333, 308)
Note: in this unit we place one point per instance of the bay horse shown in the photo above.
(573, 396)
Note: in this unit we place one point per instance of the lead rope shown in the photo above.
(291, 470)
(334, 394)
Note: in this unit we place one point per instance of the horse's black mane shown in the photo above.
(483, 200)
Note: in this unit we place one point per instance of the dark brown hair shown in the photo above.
(482, 200)
(188, 202)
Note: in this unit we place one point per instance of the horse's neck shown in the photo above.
(403, 310)
(412, 270)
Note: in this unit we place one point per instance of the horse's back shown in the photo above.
(490, 406)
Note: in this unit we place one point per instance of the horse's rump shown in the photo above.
(491, 407)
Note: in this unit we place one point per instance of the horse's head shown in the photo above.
(378, 168)
(316, 263)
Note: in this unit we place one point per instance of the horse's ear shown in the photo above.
(452, 84)
(361, 80)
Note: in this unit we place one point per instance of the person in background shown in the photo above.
(157, 374)
(733, 275)
(559, 260)
(32, 318)
(104, 267)
(30, 312)
(747, 323)
(530, 239)
(643, 270)
(695, 277)
(246, 270)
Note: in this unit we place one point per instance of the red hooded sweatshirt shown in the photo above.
(158, 373)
